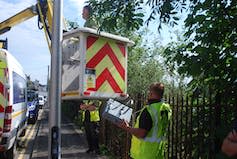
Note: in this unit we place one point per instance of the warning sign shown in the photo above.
(90, 79)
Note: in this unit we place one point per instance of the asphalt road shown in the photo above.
(74, 144)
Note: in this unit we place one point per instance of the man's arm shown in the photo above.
(229, 146)
(138, 132)
(145, 125)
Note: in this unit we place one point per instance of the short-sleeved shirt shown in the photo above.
(145, 121)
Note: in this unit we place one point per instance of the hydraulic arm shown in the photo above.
(44, 10)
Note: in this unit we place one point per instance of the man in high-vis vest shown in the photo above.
(149, 133)
(91, 118)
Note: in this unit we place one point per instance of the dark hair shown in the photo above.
(88, 7)
(157, 88)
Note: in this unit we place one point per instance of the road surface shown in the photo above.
(35, 143)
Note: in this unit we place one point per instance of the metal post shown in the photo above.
(55, 83)
(48, 82)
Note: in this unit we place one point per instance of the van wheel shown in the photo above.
(23, 132)
(12, 152)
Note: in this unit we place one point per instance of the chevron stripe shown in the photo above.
(106, 76)
(106, 50)
(122, 48)
(2, 73)
(107, 63)
(3, 63)
(92, 51)
(1, 88)
(118, 53)
(94, 44)
(91, 40)
(1, 108)
(3, 100)
(116, 49)
(105, 87)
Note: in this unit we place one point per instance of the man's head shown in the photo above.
(87, 11)
(156, 91)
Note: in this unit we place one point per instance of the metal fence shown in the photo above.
(197, 127)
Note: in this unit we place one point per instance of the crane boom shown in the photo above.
(44, 10)
(17, 19)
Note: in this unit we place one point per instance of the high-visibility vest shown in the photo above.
(94, 115)
(153, 146)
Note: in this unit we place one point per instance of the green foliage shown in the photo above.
(166, 11)
(119, 16)
(71, 25)
(128, 14)
(143, 68)
(209, 53)
(104, 151)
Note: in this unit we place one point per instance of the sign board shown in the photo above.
(116, 111)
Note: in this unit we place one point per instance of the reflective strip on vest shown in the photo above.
(154, 138)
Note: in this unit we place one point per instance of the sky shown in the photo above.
(28, 44)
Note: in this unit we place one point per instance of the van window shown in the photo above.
(19, 88)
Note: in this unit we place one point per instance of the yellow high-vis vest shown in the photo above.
(94, 115)
(153, 146)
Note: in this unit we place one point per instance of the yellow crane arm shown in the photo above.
(18, 18)
(43, 8)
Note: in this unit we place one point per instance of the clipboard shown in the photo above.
(116, 112)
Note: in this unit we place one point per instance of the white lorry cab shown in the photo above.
(13, 103)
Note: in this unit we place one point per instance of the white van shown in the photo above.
(13, 103)
(41, 101)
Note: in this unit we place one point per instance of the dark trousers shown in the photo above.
(92, 135)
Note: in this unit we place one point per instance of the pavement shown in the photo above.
(35, 143)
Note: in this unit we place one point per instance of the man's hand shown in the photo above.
(232, 136)
(89, 107)
(83, 106)
(123, 125)
(229, 145)
(138, 132)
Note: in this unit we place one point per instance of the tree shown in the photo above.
(143, 69)
(130, 13)
(209, 53)
(118, 16)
